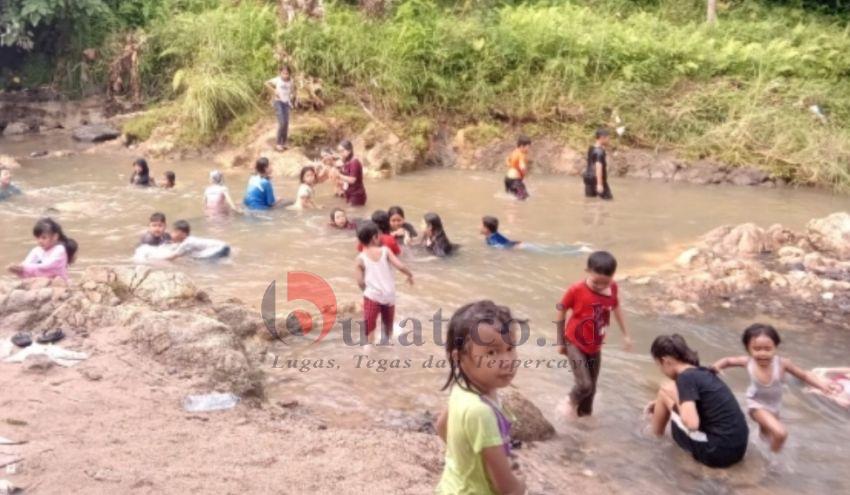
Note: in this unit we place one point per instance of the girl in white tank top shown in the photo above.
(767, 376)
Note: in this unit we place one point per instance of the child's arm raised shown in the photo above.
(810, 378)
(361, 274)
(729, 362)
(400, 266)
(500, 473)
(627, 339)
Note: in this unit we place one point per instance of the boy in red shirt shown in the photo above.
(591, 301)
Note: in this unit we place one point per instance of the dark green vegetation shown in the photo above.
(766, 85)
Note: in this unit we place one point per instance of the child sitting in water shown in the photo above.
(434, 237)
(382, 220)
(339, 220)
(591, 301)
(7, 190)
(141, 174)
(304, 196)
(51, 257)
(706, 419)
(767, 375)
(169, 180)
(375, 278)
(217, 199)
(475, 427)
(490, 230)
(156, 234)
(194, 247)
(401, 230)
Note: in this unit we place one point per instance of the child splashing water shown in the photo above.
(55, 251)
(767, 375)
(375, 278)
(475, 427)
(706, 419)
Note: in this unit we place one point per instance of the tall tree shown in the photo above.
(711, 11)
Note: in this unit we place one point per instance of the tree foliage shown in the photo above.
(21, 19)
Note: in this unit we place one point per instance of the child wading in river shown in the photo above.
(596, 174)
(591, 301)
(475, 427)
(375, 277)
(518, 168)
(767, 376)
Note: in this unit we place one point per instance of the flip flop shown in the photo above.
(50, 336)
(22, 339)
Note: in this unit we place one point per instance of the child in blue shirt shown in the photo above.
(260, 194)
(490, 229)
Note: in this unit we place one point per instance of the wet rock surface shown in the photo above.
(96, 133)
(747, 268)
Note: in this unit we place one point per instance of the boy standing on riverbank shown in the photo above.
(596, 174)
(283, 90)
(591, 301)
(517, 168)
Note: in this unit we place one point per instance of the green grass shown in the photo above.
(738, 91)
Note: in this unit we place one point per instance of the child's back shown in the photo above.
(378, 275)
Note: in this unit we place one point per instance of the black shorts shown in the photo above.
(590, 189)
(516, 187)
(713, 453)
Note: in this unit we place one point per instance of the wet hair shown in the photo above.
(490, 223)
(366, 232)
(460, 333)
(48, 226)
(757, 330)
(673, 346)
(602, 132)
(144, 175)
(523, 141)
(382, 220)
(182, 226)
(304, 170)
(347, 146)
(171, 177)
(439, 240)
(334, 212)
(395, 210)
(216, 177)
(602, 262)
(261, 165)
(157, 217)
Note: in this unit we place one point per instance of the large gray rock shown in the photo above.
(530, 425)
(831, 234)
(96, 133)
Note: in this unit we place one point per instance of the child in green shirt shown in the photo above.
(475, 427)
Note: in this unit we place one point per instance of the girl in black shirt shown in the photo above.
(706, 418)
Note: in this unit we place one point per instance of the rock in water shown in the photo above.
(831, 234)
(530, 425)
(96, 133)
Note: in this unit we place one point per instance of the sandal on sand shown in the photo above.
(22, 339)
(50, 336)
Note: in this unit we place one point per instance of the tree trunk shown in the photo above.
(711, 12)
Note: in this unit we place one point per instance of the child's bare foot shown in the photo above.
(280, 148)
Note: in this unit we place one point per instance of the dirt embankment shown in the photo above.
(114, 422)
(386, 148)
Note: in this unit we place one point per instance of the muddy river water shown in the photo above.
(88, 194)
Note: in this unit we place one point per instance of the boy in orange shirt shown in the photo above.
(517, 168)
